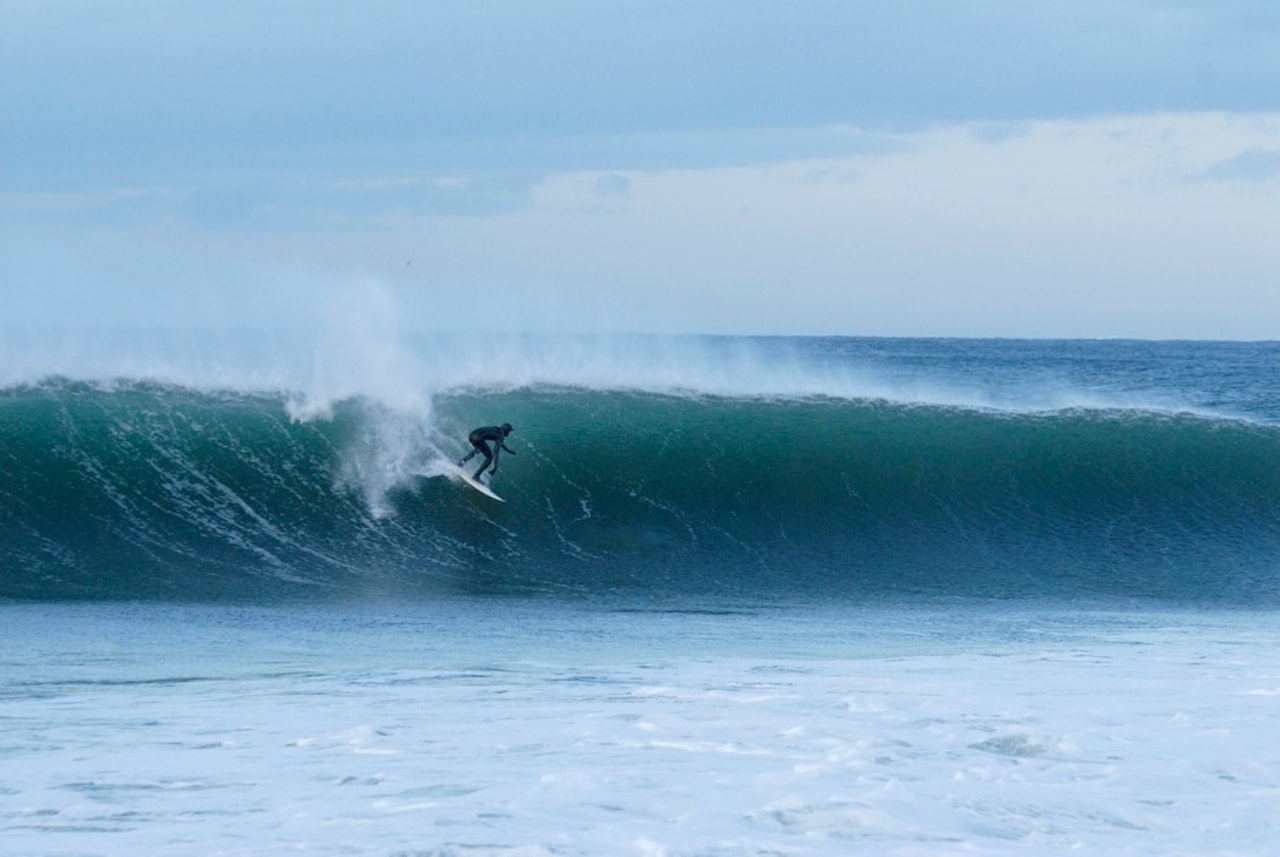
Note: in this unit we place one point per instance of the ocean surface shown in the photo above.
(745, 596)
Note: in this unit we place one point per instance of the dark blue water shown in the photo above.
(807, 471)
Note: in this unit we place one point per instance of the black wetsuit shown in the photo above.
(478, 439)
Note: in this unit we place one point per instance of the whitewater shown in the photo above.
(747, 595)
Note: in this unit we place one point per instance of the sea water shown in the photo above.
(745, 597)
(498, 728)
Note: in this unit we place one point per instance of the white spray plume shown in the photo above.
(359, 352)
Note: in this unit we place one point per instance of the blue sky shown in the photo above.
(919, 167)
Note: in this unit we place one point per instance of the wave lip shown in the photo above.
(374, 360)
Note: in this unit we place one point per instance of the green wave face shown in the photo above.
(142, 491)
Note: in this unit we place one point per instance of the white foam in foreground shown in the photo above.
(494, 729)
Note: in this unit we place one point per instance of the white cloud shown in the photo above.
(1252, 165)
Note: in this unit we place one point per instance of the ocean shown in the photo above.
(746, 596)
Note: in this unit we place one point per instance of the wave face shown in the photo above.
(136, 490)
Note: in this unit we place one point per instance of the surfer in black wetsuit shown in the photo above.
(478, 439)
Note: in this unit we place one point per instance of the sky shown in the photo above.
(1059, 168)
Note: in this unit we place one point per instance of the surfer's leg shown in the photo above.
(488, 456)
(477, 445)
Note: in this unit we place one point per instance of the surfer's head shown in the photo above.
(506, 428)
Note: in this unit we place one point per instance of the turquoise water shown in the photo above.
(760, 469)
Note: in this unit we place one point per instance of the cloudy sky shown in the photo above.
(1069, 168)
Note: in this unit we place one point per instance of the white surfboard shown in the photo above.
(461, 474)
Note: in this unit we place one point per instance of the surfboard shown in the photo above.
(463, 475)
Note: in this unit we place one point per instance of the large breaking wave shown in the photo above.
(142, 490)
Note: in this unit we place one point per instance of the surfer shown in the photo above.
(479, 438)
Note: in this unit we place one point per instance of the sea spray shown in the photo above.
(360, 358)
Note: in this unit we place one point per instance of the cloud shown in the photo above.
(1252, 165)
(283, 202)
(297, 202)
(614, 185)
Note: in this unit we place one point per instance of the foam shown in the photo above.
(514, 728)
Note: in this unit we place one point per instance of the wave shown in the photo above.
(143, 490)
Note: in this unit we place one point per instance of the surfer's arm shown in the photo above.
(506, 448)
